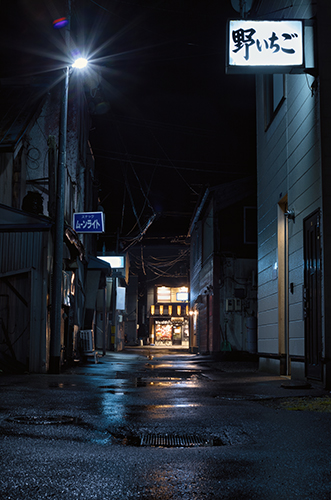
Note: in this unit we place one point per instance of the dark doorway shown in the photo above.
(312, 296)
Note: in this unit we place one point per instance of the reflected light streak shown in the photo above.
(176, 405)
(112, 408)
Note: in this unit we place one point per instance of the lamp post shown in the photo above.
(55, 345)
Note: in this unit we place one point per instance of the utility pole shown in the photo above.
(56, 297)
(55, 354)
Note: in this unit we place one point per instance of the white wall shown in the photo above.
(289, 163)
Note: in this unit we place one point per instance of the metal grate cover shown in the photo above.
(175, 440)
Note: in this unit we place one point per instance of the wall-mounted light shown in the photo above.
(290, 214)
(209, 290)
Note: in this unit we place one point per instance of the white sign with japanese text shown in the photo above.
(265, 43)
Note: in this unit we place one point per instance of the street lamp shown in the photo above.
(80, 63)
(55, 345)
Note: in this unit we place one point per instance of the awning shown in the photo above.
(97, 264)
(12, 219)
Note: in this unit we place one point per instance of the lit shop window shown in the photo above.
(179, 294)
(176, 294)
(163, 294)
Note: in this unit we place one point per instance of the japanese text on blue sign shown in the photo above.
(89, 222)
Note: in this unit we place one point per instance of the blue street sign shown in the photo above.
(89, 222)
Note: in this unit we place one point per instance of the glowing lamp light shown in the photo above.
(60, 23)
(80, 63)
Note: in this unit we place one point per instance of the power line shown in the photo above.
(157, 159)
(147, 123)
(163, 165)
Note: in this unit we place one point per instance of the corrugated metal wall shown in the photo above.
(23, 292)
(20, 250)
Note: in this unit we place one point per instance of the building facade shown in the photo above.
(169, 316)
(223, 269)
(28, 163)
(294, 205)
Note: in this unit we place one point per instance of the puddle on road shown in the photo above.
(60, 385)
(114, 391)
(144, 382)
(177, 405)
(158, 382)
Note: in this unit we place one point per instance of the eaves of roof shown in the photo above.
(12, 219)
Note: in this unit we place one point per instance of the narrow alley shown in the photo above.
(160, 424)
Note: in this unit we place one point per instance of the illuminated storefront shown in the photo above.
(169, 317)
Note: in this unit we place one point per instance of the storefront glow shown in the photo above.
(163, 294)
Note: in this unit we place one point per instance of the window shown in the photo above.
(166, 294)
(181, 296)
(163, 294)
(274, 95)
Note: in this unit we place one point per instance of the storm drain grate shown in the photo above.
(175, 440)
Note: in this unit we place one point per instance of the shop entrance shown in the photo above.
(177, 334)
(172, 333)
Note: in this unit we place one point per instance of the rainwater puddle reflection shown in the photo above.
(120, 386)
(158, 382)
(176, 405)
(61, 386)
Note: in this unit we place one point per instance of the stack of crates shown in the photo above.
(86, 344)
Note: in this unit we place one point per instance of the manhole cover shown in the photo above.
(41, 419)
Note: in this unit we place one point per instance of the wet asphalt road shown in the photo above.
(152, 424)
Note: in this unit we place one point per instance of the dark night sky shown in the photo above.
(167, 119)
